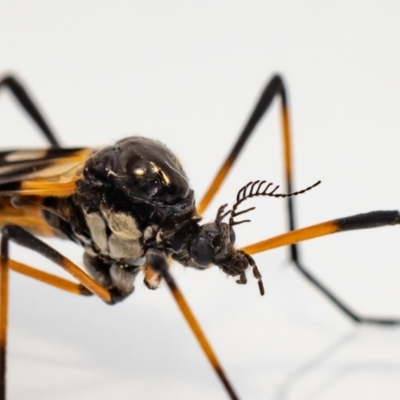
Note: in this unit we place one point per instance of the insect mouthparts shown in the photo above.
(217, 245)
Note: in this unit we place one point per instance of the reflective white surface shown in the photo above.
(188, 74)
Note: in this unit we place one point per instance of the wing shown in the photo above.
(38, 174)
(51, 172)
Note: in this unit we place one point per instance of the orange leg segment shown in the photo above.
(87, 286)
(24, 238)
(50, 279)
(159, 264)
(293, 237)
(372, 219)
(274, 88)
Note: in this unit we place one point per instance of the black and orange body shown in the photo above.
(131, 208)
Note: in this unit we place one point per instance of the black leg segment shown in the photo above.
(25, 100)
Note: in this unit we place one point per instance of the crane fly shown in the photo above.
(131, 208)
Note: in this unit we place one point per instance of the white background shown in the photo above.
(188, 74)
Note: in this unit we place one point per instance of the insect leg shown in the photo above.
(25, 100)
(3, 322)
(374, 219)
(26, 239)
(160, 265)
(275, 88)
(49, 279)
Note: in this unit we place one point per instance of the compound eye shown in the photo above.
(202, 252)
(232, 236)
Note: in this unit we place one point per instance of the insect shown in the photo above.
(131, 208)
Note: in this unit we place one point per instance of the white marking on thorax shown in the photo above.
(150, 231)
(121, 249)
(123, 225)
(123, 243)
(97, 227)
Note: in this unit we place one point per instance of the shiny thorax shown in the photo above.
(132, 200)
